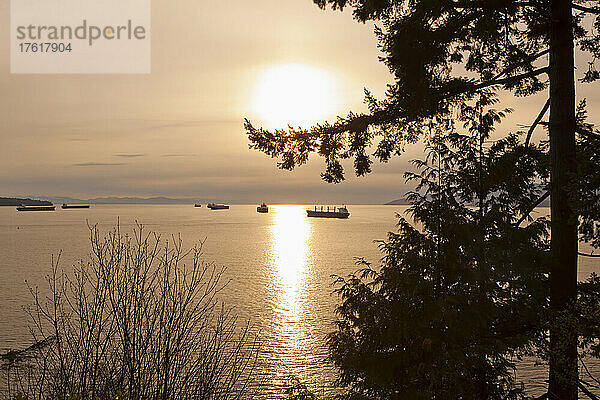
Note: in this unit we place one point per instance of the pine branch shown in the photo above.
(386, 116)
(533, 206)
(585, 132)
(536, 122)
(469, 5)
(528, 60)
(588, 255)
(587, 371)
(586, 391)
(587, 9)
(360, 123)
(579, 130)
(510, 79)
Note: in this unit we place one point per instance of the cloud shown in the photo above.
(98, 164)
(129, 155)
(159, 125)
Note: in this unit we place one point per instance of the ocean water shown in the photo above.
(280, 265)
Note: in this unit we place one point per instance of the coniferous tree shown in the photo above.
(462, 290)
(521, 46)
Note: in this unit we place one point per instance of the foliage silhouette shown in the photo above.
(462, 290)
(140, 320)
(520, 46)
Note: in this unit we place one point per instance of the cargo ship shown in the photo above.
(263, 208)
(214, 206)
(36, 208)
(197, 205)
(333, 212)
(65, 206)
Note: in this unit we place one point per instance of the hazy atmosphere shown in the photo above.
(178, 132)
(300, 199)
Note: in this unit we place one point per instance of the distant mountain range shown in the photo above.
(153, 200)
(404, 202)
(121, 200)
(47, 200)
(13, 201)
(398, 202)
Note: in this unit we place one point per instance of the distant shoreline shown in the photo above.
(46, 200)
(14, 201)
(160, 200)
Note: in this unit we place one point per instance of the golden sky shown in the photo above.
(178, 132)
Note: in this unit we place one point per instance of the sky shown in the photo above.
(178, 131)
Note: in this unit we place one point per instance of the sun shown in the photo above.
(296, 95)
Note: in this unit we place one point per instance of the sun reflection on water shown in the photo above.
(291, 265)
(290, 235)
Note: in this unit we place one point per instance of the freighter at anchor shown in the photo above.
(35, 208)
(339, 212)
(67, 206)
(214, 206)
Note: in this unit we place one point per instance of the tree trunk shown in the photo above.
(563, 278)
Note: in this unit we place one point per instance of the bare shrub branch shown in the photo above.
(140, 320)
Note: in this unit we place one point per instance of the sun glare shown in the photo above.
(296, 95)
(291, 246)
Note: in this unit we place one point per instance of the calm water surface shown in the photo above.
(280, 265)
